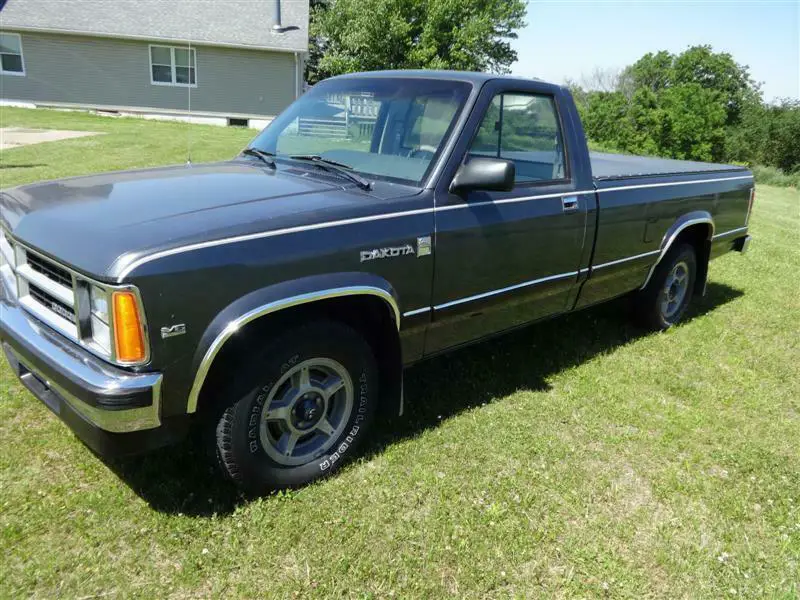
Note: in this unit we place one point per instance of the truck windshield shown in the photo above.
(384, 128)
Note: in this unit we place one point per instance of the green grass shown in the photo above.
(775, 176)
(125, 143)
(579, 457)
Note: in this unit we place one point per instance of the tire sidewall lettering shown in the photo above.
(360, 414)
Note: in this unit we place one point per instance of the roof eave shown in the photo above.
(146, 38)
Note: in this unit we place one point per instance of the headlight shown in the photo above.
(101, 332)
(99, 300)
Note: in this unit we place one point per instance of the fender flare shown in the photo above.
(274, 298)
(698, 217)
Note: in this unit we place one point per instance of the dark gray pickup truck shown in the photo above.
(273, 300)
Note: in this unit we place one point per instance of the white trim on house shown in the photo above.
(206, 117)
(21, 57)
(150, 38)
(173, 65)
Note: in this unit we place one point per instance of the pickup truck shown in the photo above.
(272, 301)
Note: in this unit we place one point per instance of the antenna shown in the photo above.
(189, 88)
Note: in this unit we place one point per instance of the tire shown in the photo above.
(663, 302)
(304, 403)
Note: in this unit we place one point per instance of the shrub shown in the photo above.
(774, 176)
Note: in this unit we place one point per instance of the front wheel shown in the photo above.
(303, 404)
(663, 302)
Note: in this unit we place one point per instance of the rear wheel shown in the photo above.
(665, 299)
(297, 409)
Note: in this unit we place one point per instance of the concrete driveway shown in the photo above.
(14, 137)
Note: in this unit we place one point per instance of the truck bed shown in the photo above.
(621, 166)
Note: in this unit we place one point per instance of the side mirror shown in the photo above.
(484, 173)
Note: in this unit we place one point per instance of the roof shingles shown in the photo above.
(212, 22)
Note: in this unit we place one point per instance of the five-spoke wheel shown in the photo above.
(306, 411)
(674, 290)
(297, 408)
(665, 299)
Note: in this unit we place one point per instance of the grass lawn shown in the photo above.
(578, 457)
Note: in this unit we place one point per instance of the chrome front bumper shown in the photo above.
(73, 382)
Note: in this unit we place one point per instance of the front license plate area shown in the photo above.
(42, 392)
(38, 387)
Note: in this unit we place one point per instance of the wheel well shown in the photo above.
(699, 236)
(369, 315)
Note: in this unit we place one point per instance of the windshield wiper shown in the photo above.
(337, 167)
(267, 157)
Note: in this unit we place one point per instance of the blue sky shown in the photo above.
(567, 39)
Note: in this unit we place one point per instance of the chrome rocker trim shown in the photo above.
(619, 261)
(418, 311)
(666, 244)
(727, 233)
(271, 307)
(504, 290)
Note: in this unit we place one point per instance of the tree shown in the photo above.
(768, 135)
(713, 71)
(366, 35)
(652, 71)
(781, 146)
(719, 73)
(694, 123)
(605, 119)
(316, 44)
(684, 106)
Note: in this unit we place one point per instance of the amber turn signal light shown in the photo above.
(128, 331)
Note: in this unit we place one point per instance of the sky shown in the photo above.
(568, 39)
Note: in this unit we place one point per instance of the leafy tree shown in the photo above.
(366, 35)
(694, 105)
(694, 123)
(652, 71)
(719, 73)
(605, 118)
(781, 146)
(713, 71)
(768, 135)
(316, 44)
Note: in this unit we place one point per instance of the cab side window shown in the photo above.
(523, 128)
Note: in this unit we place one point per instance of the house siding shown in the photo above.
(106, 72)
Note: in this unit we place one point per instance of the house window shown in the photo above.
(11, 54)
(172, 65)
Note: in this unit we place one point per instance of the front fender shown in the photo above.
(279, 297)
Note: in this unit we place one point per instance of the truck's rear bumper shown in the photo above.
(742, 244)
(113, 411)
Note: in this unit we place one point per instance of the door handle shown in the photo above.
(570, 203)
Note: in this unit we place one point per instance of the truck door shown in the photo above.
(503, 259)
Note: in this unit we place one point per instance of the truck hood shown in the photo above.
(90, 222)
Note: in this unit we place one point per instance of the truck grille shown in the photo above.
(50, 270)
(52, 303)
(43, 286)
(7, 262)
(71, 303)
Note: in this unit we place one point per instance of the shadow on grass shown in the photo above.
(180, 480)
